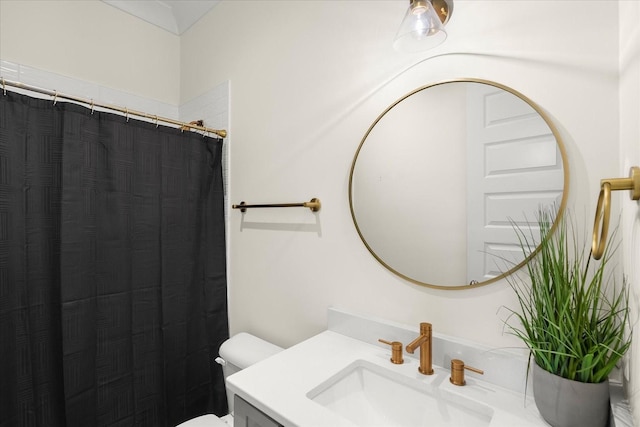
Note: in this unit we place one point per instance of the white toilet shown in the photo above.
(236, 353)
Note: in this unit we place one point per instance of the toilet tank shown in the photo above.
(241, 351)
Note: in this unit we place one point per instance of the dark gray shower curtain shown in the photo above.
(113, 295)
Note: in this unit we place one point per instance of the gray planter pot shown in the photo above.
(567, 403)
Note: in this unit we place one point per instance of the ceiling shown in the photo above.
(175, 16)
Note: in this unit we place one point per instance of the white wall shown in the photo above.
(309, 77)
(630, 156)
(92, 41)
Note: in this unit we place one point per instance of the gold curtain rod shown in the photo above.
(57, 95)
(314, 205)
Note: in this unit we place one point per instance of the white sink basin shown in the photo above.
(370, 395)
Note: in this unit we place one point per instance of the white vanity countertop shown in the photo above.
(278, 386)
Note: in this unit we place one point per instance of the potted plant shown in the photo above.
(573, 320)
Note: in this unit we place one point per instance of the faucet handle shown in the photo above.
(396, 351)
(457, 372)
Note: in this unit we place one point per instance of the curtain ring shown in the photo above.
(157, 122)
(55, 97)
(126, 114)
(92, 107)
(4, 87)
(603, 210)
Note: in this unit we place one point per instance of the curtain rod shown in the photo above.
(57, 95)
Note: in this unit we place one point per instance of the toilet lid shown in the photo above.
(208, 420)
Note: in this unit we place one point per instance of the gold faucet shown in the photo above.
(424, 342)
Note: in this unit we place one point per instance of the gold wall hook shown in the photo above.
(457, 372)
(603, 209)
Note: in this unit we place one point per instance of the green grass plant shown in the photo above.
(571, 316)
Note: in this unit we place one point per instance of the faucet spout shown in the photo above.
(413, 345)
(424, 343)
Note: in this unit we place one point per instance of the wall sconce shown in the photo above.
(423, 25)
(603, 210)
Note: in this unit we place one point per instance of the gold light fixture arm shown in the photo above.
(313, 204)
(444, 9)
(603, 209)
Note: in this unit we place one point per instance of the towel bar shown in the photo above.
(313, 204)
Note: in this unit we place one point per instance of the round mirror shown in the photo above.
(444, 174)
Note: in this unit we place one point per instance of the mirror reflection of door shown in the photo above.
(514, 167)
(441, 176)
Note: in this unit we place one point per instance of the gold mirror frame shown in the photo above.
(559, 213)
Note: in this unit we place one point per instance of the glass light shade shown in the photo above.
(421, 29)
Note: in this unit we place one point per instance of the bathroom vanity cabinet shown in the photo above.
(343, 377)
(247, 415)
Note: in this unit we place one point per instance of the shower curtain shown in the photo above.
(113, 298)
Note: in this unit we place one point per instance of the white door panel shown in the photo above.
(514, 167)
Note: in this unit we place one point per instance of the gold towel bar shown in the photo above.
(603, 210)
(314, 205)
